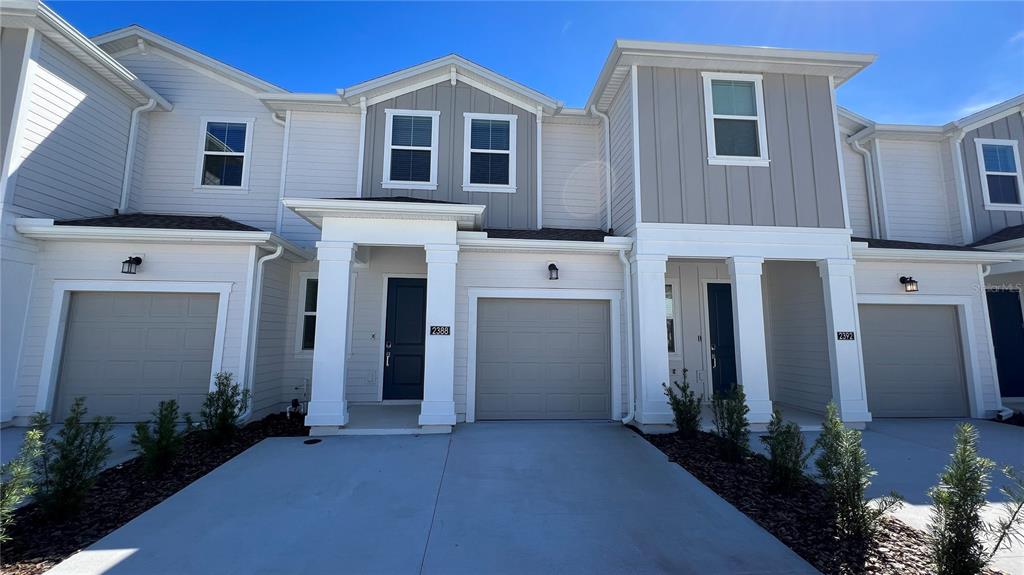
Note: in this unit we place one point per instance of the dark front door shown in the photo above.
(723, 343)
(404, 338)
(1005, 316)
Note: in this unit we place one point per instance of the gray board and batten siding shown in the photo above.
(987, 222)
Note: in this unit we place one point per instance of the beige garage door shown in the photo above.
(912, 361)
(543, 359)
(125, 352)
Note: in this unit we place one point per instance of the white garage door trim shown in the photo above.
(611, 296)
(965, 313)
(62, 290)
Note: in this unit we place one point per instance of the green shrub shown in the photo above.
(223, 407)
(685, 407)
(17, 478)
(729, 415)
(72, 459)
(957, 533)
(844, 470)
(159, 440)
(787, 455)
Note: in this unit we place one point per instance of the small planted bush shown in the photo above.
(72, 459)
(17, 479)
(787, 454)
(957, 533)
(685, 407)
(729, 415)
(223, 407)
(844, 470)
(160, 439)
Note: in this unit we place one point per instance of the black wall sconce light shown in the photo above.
(131, 264)
(552, 271)
(909, 284)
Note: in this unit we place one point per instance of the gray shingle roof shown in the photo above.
(902, 245)
(1003, 235)
(163, 222)
(549, 234)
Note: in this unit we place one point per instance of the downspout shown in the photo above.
(540, 170)
(287, 124)
(606, 122)
(627, 286)
(966, 228)
(254, 324)
(362, 147)
(869, 177)
(129, 156)
(1002, 412)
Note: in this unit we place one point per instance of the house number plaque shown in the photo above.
(844, 335)
(440, 330)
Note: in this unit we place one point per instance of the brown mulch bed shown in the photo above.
(799, 518)
(124, 492)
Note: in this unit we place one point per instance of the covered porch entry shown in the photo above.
(385, 353)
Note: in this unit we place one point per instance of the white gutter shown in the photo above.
(256, 289)
(477, 241)
(287, 123)
(863, 253)
(606, 122)
(869, 177)
(129, 157)
(627, 286)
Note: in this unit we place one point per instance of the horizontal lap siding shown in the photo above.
(271, 337)
(988, 222)
(504, 210)
(621, 159)
(75, 138)
(171, 159)
(800, 188)
(572, 175)
(101, 261)
(916, 194)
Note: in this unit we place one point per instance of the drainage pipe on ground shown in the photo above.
(254, 325)
(627, 286)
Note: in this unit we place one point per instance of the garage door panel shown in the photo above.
(913, 363)
(536, 359)
(126, 352)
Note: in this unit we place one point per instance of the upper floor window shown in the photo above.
(1001, 181)
(489, 154)
(734, 118)
(224, 160)
(410, 149)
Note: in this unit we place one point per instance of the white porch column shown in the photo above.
(327, 406)
(651, 338)
(438, 407)
(748, 327)
(844, 356)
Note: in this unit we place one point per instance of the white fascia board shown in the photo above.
(283, 102)
(45, 229)
(478, 241)
(314, 210)
(863, 253)
(189, 55)
(990, 114)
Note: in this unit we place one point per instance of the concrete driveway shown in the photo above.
(529, 497)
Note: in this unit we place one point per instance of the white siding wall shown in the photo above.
(956, 229)
(857, 191)
(271, 337)
(323, 156)
(797, 352)
(937, 280)
(572, 176)
(623, 200)
(915, 187)
(169, 166)
(75, 138)
(101, 261)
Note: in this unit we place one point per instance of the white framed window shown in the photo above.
(1001, 179)
(672, 317)
(410, 149)
(489, 153)
(734, 119)
(225, 147)
(306, 327)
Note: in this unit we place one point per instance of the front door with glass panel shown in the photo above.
(405, 338)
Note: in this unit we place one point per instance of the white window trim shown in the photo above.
(674, 285)
(386, 181)
(301, 312)
(246, 156)
(709, 121)
(467, 186)
(989, 204)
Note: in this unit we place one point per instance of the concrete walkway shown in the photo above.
(530, 497)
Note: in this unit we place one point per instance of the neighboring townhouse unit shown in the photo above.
(443, 244)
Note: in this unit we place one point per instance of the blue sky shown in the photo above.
(936, 61)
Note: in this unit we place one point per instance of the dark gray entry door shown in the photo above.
(1005, 317)
(722, 338)
(405, 338)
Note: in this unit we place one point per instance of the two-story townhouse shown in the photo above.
(443, 244)
(959, 184)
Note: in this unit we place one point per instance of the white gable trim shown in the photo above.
(459, 77)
